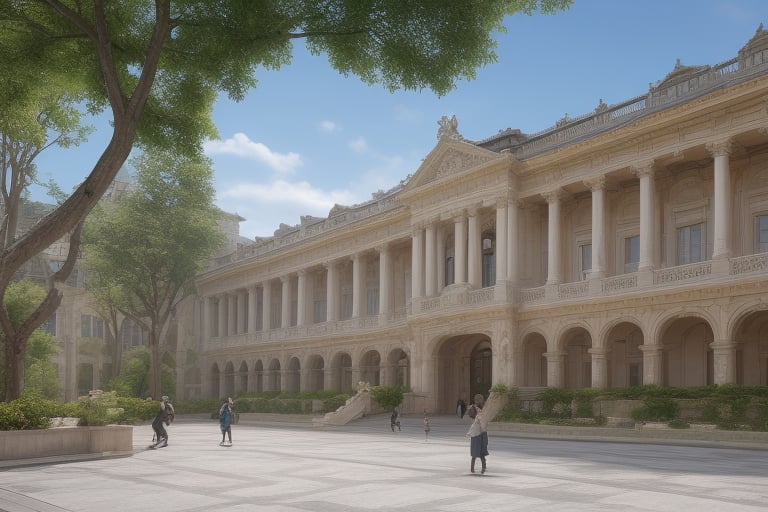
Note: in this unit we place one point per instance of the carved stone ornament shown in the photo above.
(448, 128)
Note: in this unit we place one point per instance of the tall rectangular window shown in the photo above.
(585, 260)
(372, 302)
(691, 244)
(631, 254)
(321, 311)
(449, 271)
(761, 236)
(50, 325)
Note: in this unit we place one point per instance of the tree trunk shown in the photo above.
(15, 352)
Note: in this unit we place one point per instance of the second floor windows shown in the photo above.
(585, 260)
(691, 244)
(631, 254)
(761, 234)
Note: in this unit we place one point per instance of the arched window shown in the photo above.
(489, 259)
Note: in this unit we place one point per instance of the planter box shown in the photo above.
(52, 442)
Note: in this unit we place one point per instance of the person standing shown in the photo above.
(426, 427)
(394, 420)
(225, 421)
(478, 436)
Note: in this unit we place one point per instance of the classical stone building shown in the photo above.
(626, 246)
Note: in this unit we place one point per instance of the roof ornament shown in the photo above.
(448, 128)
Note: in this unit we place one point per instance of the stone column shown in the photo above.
(430, 263)
(474, 251)
(502, 218)
(555, 369)
(645, 173)
(599, 367)
(721, 152)
(242, 324)
(231, 314)
(331, 292)
(222, 330)
(724, 361)
(285, 312)
(553, 238)
(266, 308)
(385, 284)
(460, 248)
(207, 328)
(358, 285)
(512, 242)
(598, 227)
(440, 259)
(652, 364)
(301, 306)
(417, 263)
(253, 307)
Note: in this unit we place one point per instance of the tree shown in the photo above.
(147, 248)
(135, 379)
(157, 67)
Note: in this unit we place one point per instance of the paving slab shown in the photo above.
(366, 467)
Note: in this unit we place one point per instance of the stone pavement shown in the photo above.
(364, 466)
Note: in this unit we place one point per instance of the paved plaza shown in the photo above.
(364, 466)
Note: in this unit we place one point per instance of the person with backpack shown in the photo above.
(164, 416)
(225, 421)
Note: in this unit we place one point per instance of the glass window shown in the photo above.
(50, 325)
(761, 237)
(321, 311)
(585, 258)
(449, 271)
(691, 244)
(631, 254)
(372, 302)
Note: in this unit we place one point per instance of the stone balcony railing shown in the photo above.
(462, 298)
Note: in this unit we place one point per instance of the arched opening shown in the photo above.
(399, 365)
(464, 369)
(316, 380)
(625, 360)
(242, 378)
(751, 352)
(370, 368)
(215, 380)
(687, 359)
(229, 379)
(274, 375)
(577, 368)
(341, 372)
(293, 377)
(258, 375)
(534, 362)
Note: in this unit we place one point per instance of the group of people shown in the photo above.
(478, 431)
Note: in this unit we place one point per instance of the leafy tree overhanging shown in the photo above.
(157, 67)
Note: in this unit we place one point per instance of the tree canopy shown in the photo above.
(158, 66)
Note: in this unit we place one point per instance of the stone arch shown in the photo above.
(464, 368)
(624, 358)
(215, 380)
(293, 376)
(370, 367)
(534, 363)
(316, 373)
(750, 350)
(687, 358)
(574, 345)
(274, 375)
(229, 379)
(242, 379)
(258, 376)
(341, 372)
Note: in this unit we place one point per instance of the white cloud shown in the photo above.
(358, 145)
(240, 145)
(328, 126)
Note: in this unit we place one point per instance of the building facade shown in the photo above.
(624, 247)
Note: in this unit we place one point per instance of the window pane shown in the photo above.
(631, 253)
(762, 233)
(586, 260)
(691, 244)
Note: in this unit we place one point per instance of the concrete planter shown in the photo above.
(52, 442)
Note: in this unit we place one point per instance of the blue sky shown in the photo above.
(307, 137)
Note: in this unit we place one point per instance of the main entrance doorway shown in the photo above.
(464, 368)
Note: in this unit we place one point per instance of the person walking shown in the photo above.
(225, 422)
(426, 427)
(164, 416)
(478, 436)
(394, 420)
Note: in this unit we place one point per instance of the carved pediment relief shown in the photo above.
(680, 73)
(450, 158)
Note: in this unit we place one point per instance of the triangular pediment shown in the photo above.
(450, 158)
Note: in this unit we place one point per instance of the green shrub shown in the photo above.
(333, 403)
(657, 409)
(30, 411)
(556, 402)
(387, 397)
(196, 406)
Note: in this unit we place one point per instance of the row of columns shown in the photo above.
(235, 318)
